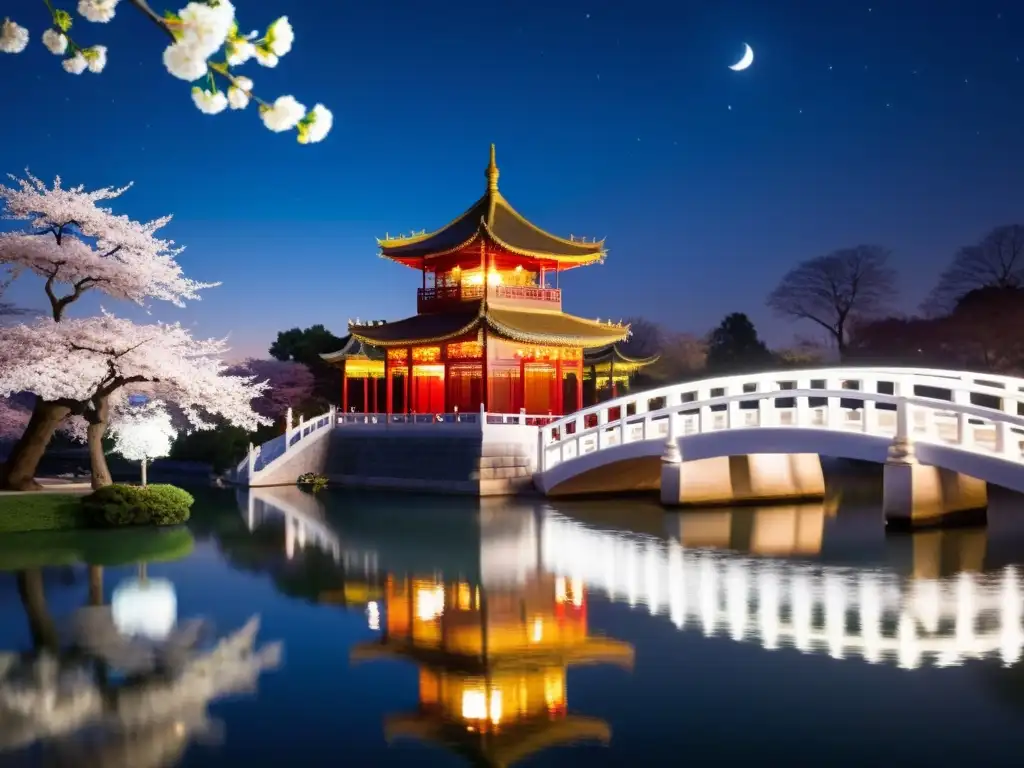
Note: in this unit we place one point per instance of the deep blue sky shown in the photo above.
(891, 122)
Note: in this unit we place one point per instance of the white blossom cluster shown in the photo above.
(74, 359)
(143, 432)
(72, 240)
(200, 31)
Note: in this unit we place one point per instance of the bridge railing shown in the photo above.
(454, 420)
(261, 457)
(973, 411)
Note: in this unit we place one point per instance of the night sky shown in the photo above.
(897, 123)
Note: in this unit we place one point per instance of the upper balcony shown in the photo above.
(447, 297)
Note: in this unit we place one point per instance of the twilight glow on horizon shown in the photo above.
(857, 123)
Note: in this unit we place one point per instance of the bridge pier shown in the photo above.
(727, 480)
(916, 495)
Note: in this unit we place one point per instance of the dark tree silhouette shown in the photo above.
(645, 338)
(734, 346)
(983, 330)
(835, 289)
(912, 341)
(996, 262)
(305, 346)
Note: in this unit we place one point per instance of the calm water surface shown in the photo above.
(445, 632)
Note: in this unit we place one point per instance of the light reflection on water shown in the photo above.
(483, 609)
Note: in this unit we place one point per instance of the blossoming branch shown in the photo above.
(206, 47)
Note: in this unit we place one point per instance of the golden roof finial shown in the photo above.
(492, 173)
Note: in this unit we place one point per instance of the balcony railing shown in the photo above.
(528, 293)
(442, 297)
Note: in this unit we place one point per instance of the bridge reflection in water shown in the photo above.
(943, 612)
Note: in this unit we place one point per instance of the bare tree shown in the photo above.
(646, 338)
(835, 289)
(996, 262)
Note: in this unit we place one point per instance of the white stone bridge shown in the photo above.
(756, 437)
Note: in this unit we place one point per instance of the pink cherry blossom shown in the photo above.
(79, 359)
(71, 240)
(13, 420)
(289, 384)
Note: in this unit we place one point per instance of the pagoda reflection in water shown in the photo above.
(493, 662)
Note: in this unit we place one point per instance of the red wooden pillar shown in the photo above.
(522, 382)
(579, 385)
(559, 388)
(373, 393)
(410, 388)
(388, 399)
(366, 393)
(611, 377)
(484, 374)
(444, 384)
(344, 389)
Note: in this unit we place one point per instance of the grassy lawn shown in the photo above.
(21, 512)
(95, 547)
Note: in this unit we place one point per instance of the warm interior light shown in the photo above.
(429, 602)
(475, 705)
(538, 629)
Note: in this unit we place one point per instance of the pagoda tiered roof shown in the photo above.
(492, 218)
(504, 748)
(602, 358)
(547, 328)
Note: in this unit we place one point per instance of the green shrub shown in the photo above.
(114, 506)
(311, 481)
(167, 504)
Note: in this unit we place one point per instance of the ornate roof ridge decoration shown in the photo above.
(353, 348)
(612, 351)
(494, 216)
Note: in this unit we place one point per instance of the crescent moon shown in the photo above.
(746, 61)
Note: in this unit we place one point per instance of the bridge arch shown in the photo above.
(963, 422)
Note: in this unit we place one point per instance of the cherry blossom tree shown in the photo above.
(289, 385)
(206, 48)
(143, 433)
(85, 366)
(77, 246)
(13, 419)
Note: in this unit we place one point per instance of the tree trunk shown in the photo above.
(33, 600)
(97, 417)
(19, 472)
(144, 473)
(95, 585)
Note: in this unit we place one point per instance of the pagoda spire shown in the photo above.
(492, 173)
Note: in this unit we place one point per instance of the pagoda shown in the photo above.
(489, 330)
(492, 664)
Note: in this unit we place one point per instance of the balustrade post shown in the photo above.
(623, 426)
(802, 405)
(732, 418)
(964, 437)
(251, 465)
(1004, 435)
(483, 410)
(672, 454)
(762, 412)
(287, 428)
(902, 449)
(522, 416)
(833, 406)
